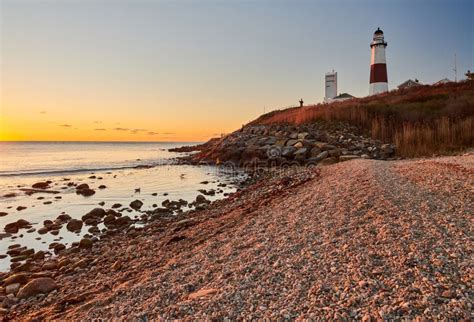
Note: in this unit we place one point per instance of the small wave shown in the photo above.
(79, 170)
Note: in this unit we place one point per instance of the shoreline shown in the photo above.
(276, 213)
(37, 213)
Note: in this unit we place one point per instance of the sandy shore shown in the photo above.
(357, 239)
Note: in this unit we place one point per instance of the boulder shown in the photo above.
(49, 266)
(39, 255)
(11, 228)
(85, 192)
(85, 243)
(288, 151)
(63, 218)
(92, 221)
(271, 140)
(82, 186)
(320, 145)
(123, 221)
(328, 147)
(28, 252)
(12, 288)
(335, 152)
(42, 285)
(94, 230)
(58, 248)
(94, 213)
(162, 211)
(314, 152)
(298, 145)
(41, 185)
(281, 142)
(303, 135)
(43, 230)
(323, 155)
(136, 204)
(21, 278)
(74, 225)
(301, 152)
(109, 220)
(201, 199)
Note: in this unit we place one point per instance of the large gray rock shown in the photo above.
(303, 135)
(301, 152)
(314, 152)
(271, 140)
(328, 147)
(323, 155)
(335, 153)
(288, 151)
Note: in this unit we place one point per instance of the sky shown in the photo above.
(110, 70)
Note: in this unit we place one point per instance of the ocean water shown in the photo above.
(111, 164)
(23, 158)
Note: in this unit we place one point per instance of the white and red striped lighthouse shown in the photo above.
(378, 65)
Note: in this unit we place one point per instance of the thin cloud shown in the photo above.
(97, 122)
(168, 133)
(99, 129)
(135, 131)
(121, 129)
(43, 112)
(65, 125)
(153, 133)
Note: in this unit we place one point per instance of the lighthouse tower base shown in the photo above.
(377, 88)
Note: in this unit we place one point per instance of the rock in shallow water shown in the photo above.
(74, 225)
(136, 204)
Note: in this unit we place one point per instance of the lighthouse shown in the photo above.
(378, 65)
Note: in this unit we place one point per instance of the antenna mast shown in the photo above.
(455, 69)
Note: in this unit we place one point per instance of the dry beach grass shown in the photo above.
(422, 121)
(363, 238)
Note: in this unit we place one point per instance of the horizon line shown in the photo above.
(91, 141)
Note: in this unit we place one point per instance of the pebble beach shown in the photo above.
(361, 239)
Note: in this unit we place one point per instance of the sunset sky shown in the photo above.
(189, 70)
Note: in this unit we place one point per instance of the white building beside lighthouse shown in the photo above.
(330, 82)
(378, 64)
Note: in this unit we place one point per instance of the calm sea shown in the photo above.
(113, 165)
(26, 158)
